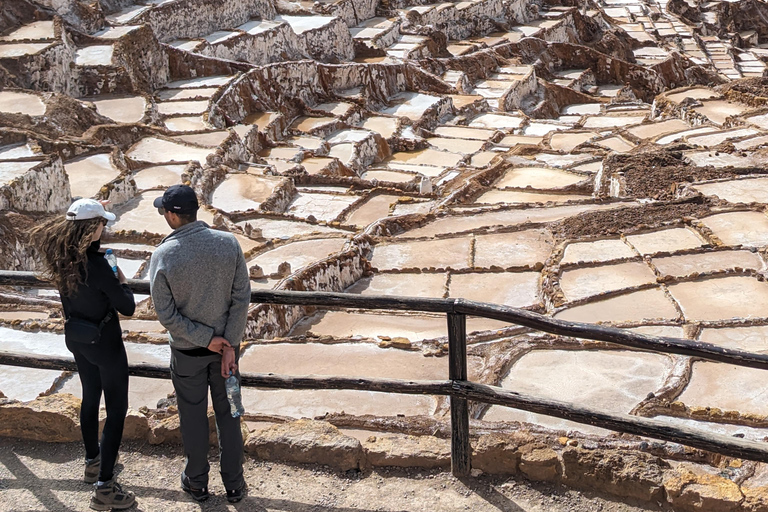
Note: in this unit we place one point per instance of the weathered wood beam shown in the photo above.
(636, 425)
(646, 427)
(461, 450)
(503, 313)
(264, 380)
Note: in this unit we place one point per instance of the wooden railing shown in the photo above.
(457, 387)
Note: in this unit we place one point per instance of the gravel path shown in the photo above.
(40, 476)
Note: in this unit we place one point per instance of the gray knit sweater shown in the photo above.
(200, 286)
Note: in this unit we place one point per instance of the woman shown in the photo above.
(90, 291)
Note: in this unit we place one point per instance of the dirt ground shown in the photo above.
(39, 476)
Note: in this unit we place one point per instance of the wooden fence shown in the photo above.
(457, 387)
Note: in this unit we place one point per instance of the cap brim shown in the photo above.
(158, 202)
(110, 218)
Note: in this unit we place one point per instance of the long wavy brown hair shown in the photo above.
(62, 244)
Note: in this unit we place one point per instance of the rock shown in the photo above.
(755, 499)
(539, 464)
(625, 474)
(396, 342)
(307, 442)
(256, 272)
(408, 451)
(136, 425)
(687, 490)
(169, 430)
(53, 418)
(283, 269)
(499, 454)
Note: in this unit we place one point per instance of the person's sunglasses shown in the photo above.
(104, 221)
(161, 211)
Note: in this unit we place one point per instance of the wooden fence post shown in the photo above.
(461, 451)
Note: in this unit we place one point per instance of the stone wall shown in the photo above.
(186, 19)
(579, 463)
(43, 188)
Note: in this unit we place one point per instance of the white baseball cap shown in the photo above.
(84, 209)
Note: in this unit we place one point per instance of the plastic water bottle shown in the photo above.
(234, 396)
(112, 260)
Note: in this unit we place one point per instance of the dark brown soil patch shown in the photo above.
(657, 174)
(628, 220)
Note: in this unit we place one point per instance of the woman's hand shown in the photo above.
(121, 276)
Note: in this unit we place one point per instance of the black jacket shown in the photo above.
(100, 293)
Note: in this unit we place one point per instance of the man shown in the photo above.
(201, 291)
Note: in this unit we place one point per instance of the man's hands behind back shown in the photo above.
(217, 344)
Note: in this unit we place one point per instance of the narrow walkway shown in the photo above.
(46, 477)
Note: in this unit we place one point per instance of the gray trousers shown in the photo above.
(191, 378)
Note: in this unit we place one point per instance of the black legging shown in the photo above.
(102, 367)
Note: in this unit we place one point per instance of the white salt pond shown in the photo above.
(722, 298)
(154, 150)
(727, 387)
(9, 171)
(610, 381)
(407, 285)
(585, 282)
(158, 176)
(538, 178)
(88, 174)
(98, 55)
(310, 404)
(21, 103)
(516, 289)
(512, 249)
(17, 151)
(414, 327)
(325, 207)
(461, 223)
(748, 338)
(668, 240)
(373, 209)
(600, 250)
(411, 105)
(449, 253)
(739, 228)
(23, 315)
(241, 192)
(688, 264)
(507, 196)
(298, 254)
(128, 109)
(37, 30)
(644, 305)
(15, 50)
(737, 191)
(284, 229)
(25, 384)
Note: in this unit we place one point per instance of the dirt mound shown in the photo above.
(628, 220)
(657, 174)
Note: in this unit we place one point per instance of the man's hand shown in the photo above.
(228, 364)
(217, 344)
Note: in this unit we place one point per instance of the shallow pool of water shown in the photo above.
(88, 174)
(584, 282)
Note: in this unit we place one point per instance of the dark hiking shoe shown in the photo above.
(92, 467)
(200, 494)
(235, 495)
(92, 470)
(110, 495)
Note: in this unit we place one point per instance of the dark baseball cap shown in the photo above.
(178, 199)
